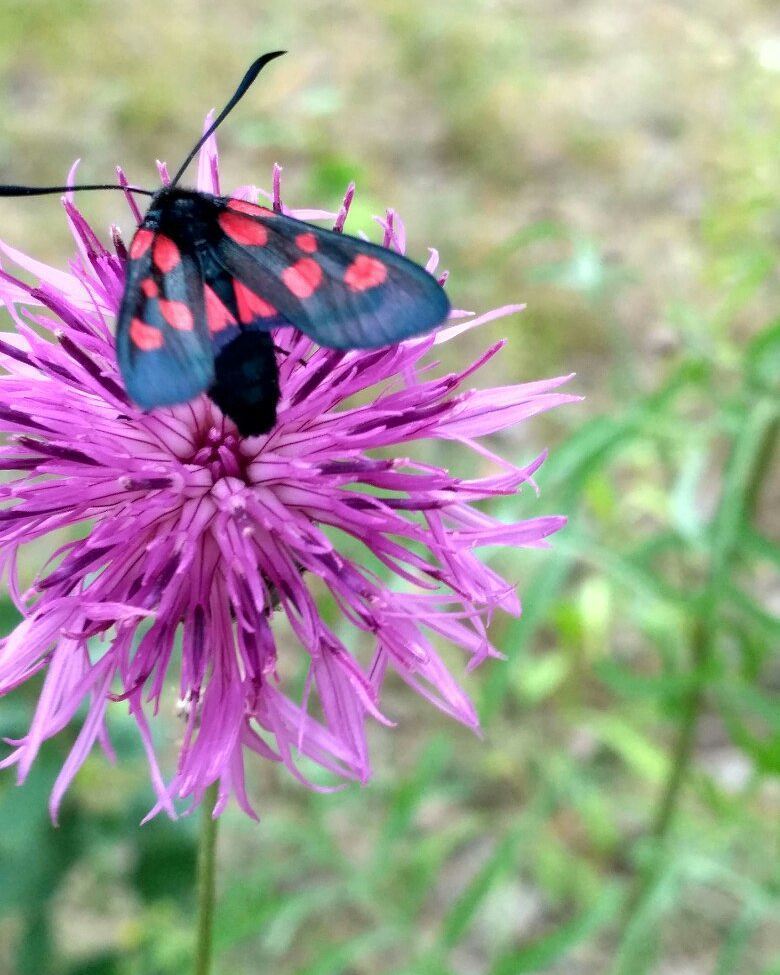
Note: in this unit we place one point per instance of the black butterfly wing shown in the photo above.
(341, 291)
(163, 344)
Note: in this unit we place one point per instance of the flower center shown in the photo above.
(220, 454)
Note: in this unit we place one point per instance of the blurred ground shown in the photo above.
(614, 166)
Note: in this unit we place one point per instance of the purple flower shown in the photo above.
(182, 546)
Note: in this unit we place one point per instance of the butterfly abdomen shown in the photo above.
(246, 384)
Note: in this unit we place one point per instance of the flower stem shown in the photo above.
(683, 750)
(744, 475)
(207, 848)
(679, 767)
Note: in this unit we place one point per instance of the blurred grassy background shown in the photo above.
(615, 166)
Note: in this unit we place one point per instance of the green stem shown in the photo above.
(207, 848)
(763, 464)
(747, 474)
(686, 737)
(681, 759)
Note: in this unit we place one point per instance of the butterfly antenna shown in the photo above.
(10, 190)
(254, 70)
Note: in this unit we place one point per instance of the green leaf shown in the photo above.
(539, 595)
(408, 794)
(553, 947)
(540, 677)
(502, 860)
(640, 754)
(532, 234)
(9, 616)
(762, 360)
(756, 546)
(624, 571)
(737, 941)
(340, 958)
(738, 483)
(667, 689)
(756, 615)
(640, 942)
(684, 500)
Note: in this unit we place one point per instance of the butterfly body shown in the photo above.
(209, 277)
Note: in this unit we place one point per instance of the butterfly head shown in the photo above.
(174, 204)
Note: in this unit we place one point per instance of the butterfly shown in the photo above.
(209, 278)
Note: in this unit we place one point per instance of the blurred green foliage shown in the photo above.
(615, 167)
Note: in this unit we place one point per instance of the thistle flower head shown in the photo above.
(183, 549)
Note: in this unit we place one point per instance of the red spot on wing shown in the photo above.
(140, 243)
(166, 253)
(307, 242)
(244, 206)
(217, 315)
(242, 230)
(251, 305)
(365, 272)
(177, 315)
(303, 278)
(149, 288)
(144, 336)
